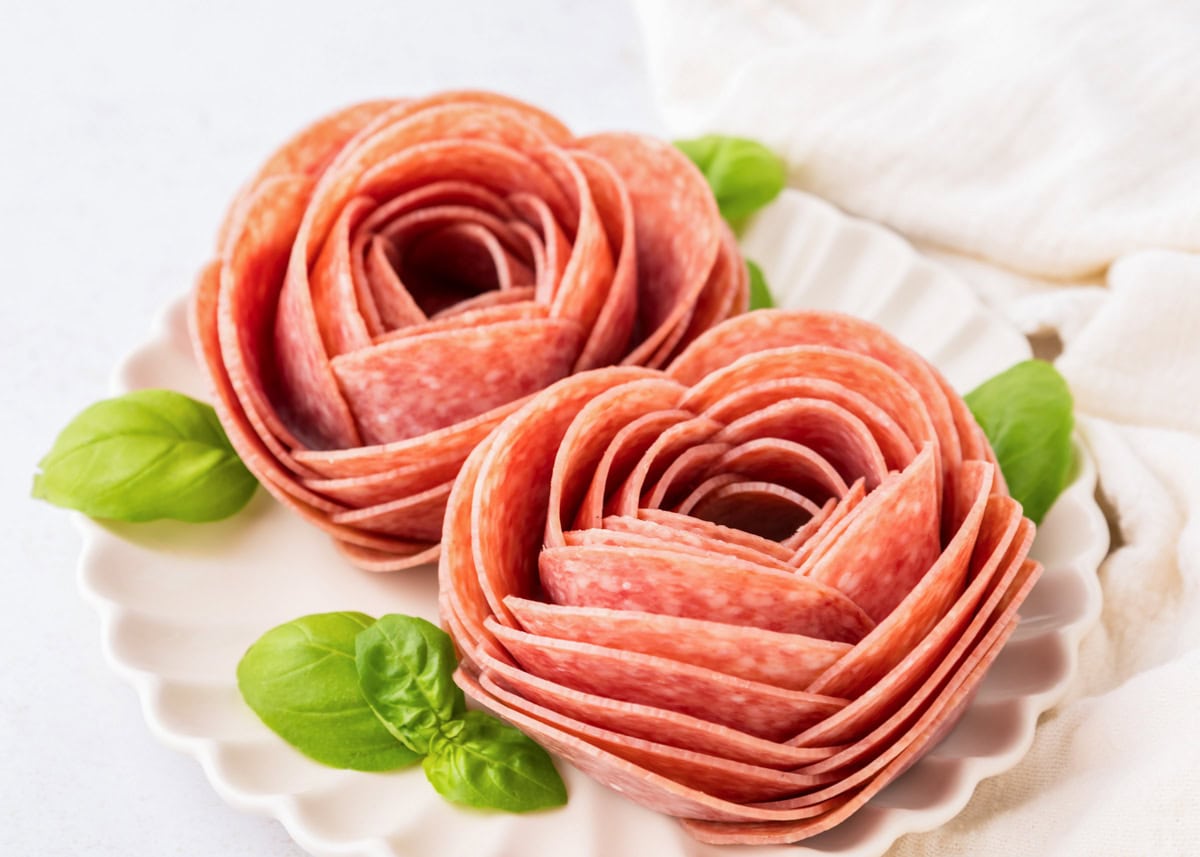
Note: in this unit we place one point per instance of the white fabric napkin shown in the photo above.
(1049, 152)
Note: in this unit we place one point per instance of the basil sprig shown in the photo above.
(744, 176)
(146, 455)
(1027, 414)
(352, 692)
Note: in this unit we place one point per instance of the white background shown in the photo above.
(125, 128)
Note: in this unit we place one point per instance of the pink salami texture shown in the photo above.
(417, 516)
(723, 778)
(624, 451)
(365, 490)
(789, 661)
(707, 529)
(921, 734)
(400, 276)
(779, 328)
(797, 539)
(633, 781)
(461, 602)
(590, 436)
(897, 447)
(481, 314)
(787, 463)
(748, 591)
(889, 543)
(619, 531)
(673, 264)
(820, 539)
(757, 708)
(373, 461)
(925, 597)
(648, 722)
(683, 475)
(885, 707)
(418, 384)
(724, 589)
(705, 542)
(762, 508)
(657, 457)
(512, 494)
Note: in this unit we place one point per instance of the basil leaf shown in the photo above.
(744, 175)
(142, 456)
(1026, 413)
(405, 669)
(300, 679)
(489, 764)
(760, 295)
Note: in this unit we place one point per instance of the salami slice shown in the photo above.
(725, 589)
(789, 661)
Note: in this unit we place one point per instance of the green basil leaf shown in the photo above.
(142, 456)
(1027, 414)
(744, 175)
(489, 764)
(300, 679)
(760, 295)
(405, 669)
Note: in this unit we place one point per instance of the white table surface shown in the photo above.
(126, 128)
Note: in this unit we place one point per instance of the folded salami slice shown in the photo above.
(402, 275)
(748, 591)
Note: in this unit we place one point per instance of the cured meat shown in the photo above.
(402, 275)
(749, 590)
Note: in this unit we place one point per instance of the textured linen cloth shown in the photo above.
(1049, 152)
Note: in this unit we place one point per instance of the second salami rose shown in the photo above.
(400, 276)
(748, 591)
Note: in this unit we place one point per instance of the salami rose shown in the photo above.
(402, 275)
(747, 591)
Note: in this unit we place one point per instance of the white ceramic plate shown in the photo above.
(181, 603)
